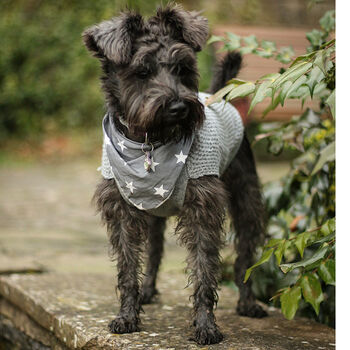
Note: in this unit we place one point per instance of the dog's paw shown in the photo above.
(148, 295)
(122, 325)
(251, 310)
(208, 335)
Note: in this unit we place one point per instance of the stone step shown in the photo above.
(72, 311)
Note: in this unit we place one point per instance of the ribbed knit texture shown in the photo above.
(214, 146)
(217, 142)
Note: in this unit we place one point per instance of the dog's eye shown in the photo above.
(181, 70)
(143, 73)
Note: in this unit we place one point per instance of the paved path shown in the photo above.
(73, 311)
(47, 223)
(46, 218)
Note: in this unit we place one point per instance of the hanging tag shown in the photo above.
(148, 161)
(148, 158)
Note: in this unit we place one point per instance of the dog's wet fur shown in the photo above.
(150, 80)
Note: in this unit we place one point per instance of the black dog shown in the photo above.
(151, 84)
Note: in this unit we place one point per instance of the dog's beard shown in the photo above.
(150, 115)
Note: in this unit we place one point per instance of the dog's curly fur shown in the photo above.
(149, 69)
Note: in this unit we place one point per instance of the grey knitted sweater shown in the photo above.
(214, 146)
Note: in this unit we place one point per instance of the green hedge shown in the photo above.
(48, 81)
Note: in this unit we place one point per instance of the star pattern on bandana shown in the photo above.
(139, 206)
(181, 158)
(153, 165)
(121, 145)
(108, 141)
(130, 186)
(160, 190)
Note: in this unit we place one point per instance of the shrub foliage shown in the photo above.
(301, 205)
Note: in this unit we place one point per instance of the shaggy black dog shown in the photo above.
(151, 83)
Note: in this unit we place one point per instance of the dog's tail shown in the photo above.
(225, 69)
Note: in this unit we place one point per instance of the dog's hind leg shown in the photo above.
(248, 214)
(155, 245)
(200, 229)
(128, 228)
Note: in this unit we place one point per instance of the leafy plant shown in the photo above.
(266, 49)
(301, 205)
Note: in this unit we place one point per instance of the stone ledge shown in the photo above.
(72, 311)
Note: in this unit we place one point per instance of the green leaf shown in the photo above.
(290, 302)
(264, 258)
(260, 94)
(267, 49)
(320, 61)
(295, 86)
(245, 50)
(327, 22)
(326, 155)
(275, 144)
(271, 77)
(218, 96)
(324, 230)
(312, 290)
(251, 43)
(326, 239)
(236, 81)
(273, 242)
(285, 54)
(292, 74)
(285, 88)
(318, 255)
(241, 91)
(215, 38)
(300, 243)
(326, 271)
(331, 224)
(315, 37)
(303, 58)
(234, 41)
(331, 102)
(315, 76)
(280, 251)
(272, 105)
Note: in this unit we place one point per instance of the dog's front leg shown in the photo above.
(200, 228)
(127, 238)
(127, 228)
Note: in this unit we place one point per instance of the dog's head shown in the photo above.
(150, 71)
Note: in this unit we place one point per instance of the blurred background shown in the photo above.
(50, 98)
(51, 107)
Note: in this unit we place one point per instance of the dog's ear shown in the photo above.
(113, 39)
(192, 27)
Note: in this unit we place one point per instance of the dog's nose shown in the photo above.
(178, 109)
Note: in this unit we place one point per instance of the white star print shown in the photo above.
(108, 141)
(160, 190)
(130, 186)
(181, 157)
(139, 206)
(121, 145)
(153, 165)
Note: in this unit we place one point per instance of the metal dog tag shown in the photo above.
(148, 161)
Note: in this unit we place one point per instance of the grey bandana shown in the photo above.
(144, 189)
